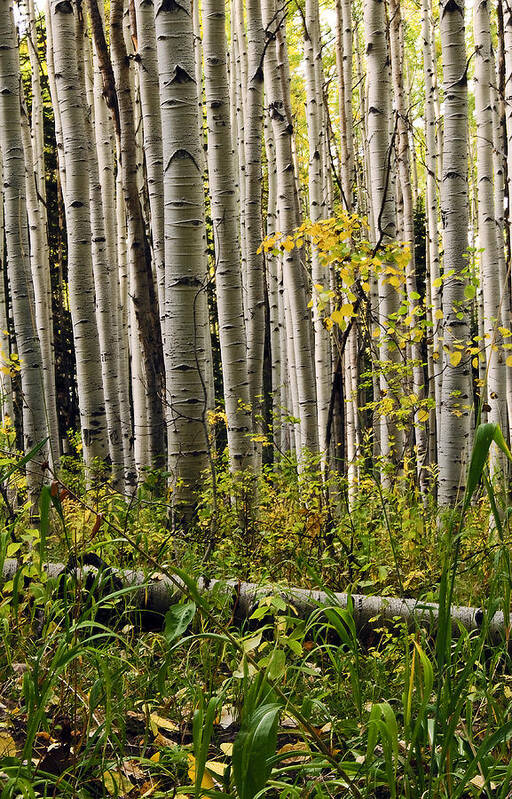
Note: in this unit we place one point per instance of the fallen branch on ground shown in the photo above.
(156, 593)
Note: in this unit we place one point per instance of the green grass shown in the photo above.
(277, 707)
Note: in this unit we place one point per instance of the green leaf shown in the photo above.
(469, 291)
(23, 461)
(254, 745)
(484, 436)
(177, 619)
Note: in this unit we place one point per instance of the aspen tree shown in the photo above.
(6, 400)
(238, 113)
(105, 291)
(35, 428)
(185, 300)
(379, 119)
(40, 269)
(61, 18)
(344, 69)
(500, 192)
(221, 174)
(432, 209)
(105, 147)
(142, 290)
(314, 116)
(253, 122)
(297, 315)
(147, 63)
(487, 226)
(456, 398)
(274, 285)
(404, 172)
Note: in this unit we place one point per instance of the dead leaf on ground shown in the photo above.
(7, 745)
(300, 746)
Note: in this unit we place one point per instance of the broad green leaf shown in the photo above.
(177, 619)
(254, 745)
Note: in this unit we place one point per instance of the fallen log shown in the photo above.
(156, 593)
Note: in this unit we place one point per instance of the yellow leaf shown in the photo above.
(116, 783)
(423, 415)
(339, 314)
(437, 282)
(7, 745)
(376, 333)
(438, 314)
(455, 358)
(165, 724)
(216, 767)
(474, 363)
(155, 758)
(509, 360)
(505, 331)
(206, 782)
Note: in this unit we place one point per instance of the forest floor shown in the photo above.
(97, 700)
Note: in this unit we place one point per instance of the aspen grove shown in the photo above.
(257, 231)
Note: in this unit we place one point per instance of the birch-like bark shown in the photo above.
(274, 279)
(253, 221)
(35, 427)
(142, 290)
(105, 290)
(40, 271)
(61, 17)
(147, 63)
(456, 400)
(6, 399)
(487, 225)
(432, 207)
(404, 173)
(344, 68)
(105, 149)
(382, 190)
(37, 133)
(239, 82)
(233, 343)
(319, 275)
(185, 298)
(298, 319)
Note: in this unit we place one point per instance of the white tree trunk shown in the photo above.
(456, 398)
(319, 274)
(382, 190)
(221, 173)
(61, 17)
(105, 291)
(185, 300)
(147, 62)
(35, 427)
(298, 323)
(252, 219)
(487, 224)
